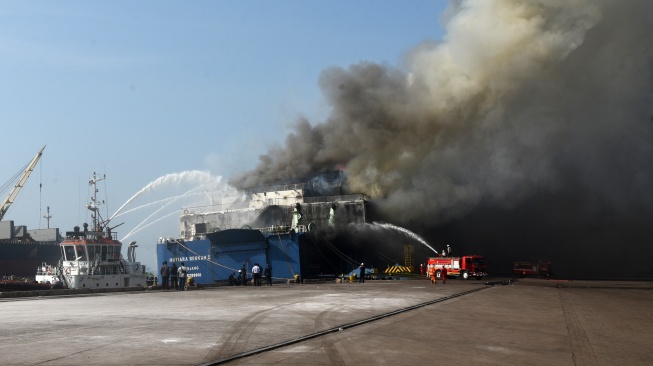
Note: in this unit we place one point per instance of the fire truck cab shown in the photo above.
(464, 267)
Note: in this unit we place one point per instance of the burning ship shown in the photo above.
(302, 230)
(23, 250)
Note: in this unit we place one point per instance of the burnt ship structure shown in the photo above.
(304, 230)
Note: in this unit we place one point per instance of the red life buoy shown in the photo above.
(68, 270)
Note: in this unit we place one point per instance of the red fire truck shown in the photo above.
(534, 268)
(464, 267)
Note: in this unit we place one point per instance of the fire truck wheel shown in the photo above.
(464, 275)
(479, 277)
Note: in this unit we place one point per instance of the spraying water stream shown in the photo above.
(410, 234)
(173, 178)
(162, 193)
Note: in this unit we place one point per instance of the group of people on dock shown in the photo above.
(173, 278)
(257, 276)
(176, 278)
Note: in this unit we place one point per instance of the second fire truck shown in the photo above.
(464, 267)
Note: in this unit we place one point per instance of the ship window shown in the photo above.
(109, 251)
(104, 252)
(81, 253)
(69, 252)
(92, 252)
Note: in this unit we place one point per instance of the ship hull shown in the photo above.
(223, 253)
(108, 281)
(22, 259)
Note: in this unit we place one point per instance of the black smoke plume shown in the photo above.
(528, 130)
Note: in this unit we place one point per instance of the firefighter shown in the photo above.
(434, 280)
(444, 275)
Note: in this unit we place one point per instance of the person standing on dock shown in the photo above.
(165, 275)
(239, 279)
(268, 275)
(443, 273)
(244, 272)
(173, 277)
(434, 279)
(361, 270)
(256, 274)
(183, 272)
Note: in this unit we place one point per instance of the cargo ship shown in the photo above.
(308, 230)
(23, 250)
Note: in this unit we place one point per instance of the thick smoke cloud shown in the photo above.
(522, 100)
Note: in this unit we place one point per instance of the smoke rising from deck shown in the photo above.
(539, 104)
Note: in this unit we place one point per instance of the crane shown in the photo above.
(21, 182)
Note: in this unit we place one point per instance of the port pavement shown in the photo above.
(528, 322)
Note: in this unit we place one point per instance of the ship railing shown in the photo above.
(90, 235)
(280, 187)
(263, 203)
(62, 274)
(283, 229)
(338, 198)
(275, 229)
(95, 265)
(27, 241)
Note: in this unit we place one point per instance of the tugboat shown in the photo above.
(91, 257)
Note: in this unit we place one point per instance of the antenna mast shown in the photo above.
(48, 217)
(94, 205)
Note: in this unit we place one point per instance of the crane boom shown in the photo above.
(21, 182)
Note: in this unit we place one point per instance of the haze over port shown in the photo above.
(518, 130)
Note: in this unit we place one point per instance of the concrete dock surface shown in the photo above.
(527, 322)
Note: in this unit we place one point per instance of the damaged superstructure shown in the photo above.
(318, 203)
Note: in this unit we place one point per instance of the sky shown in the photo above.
(159, 95)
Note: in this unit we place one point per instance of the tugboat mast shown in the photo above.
(94, 205)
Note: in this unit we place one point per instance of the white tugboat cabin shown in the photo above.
(91, 257)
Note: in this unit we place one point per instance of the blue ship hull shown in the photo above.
(222, 253)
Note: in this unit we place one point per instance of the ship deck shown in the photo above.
(531, 321)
